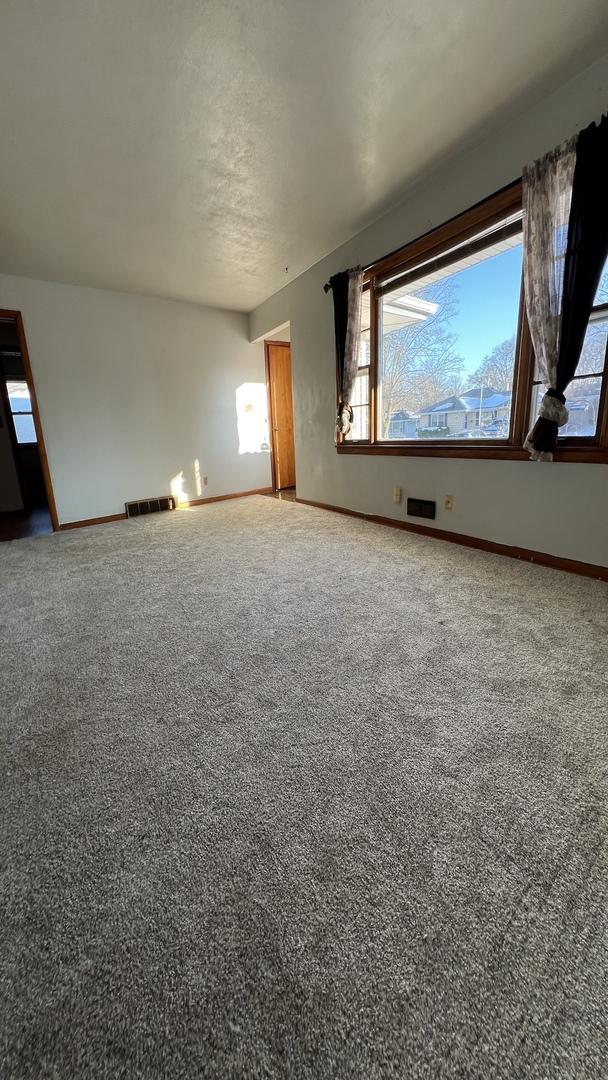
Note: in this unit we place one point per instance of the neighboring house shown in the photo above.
(402, 425)
(477, 408)
(582, 416)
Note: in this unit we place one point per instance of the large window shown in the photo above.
(448, 331)
(446, 363)
(21, 410)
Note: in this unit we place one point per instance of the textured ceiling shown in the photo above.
(195, 149)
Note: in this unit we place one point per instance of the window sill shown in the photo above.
(494, 451)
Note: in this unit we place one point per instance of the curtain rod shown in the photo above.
(365, 269)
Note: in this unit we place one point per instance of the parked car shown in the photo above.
(469, 433)
(498, 429)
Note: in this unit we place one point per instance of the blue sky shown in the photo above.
(488, 299)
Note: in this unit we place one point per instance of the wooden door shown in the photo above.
(278, 364)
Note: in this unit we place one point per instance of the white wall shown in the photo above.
(561, 509)
(282, 334)
(10, 494)
(132, 391)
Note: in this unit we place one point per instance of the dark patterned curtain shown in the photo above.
(567, 186)
(346, 290)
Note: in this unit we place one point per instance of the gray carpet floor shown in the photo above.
(287, 794)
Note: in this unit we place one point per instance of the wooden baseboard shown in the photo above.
(90, 521)
(556, 562)
(232, 495)
(193, 502)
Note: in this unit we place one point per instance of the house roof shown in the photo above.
(471, 400)
(401, 414)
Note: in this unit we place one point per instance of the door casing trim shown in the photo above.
(17, 318)
(285, 345)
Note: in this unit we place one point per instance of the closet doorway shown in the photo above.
(27, 504)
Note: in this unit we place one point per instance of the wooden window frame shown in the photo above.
(433, 245)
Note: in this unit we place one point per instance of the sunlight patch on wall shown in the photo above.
(178, 490)
(252, 418)
(197, 477)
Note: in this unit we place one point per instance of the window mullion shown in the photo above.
(602, 423)
(373, 363)
(523, 377)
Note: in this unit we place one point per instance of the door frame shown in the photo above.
(285, 345)
(16, 317)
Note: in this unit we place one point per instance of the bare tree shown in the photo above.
(419, 361)
(593, 354)
(496, 369)
(455, 385)
(602, 290)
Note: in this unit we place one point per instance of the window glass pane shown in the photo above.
(593, 353)
(21, 408)
(19, 396)
(360, 428)
(582, 401)
(583, 394)
(360, 404)
(447, 349)
(361, 390)
(601, 296)
(24, 427)
(365, 330)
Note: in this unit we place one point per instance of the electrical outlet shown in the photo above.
(396, 494)
(205, 480)
(448, 502)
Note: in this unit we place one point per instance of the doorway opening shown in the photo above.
(27, 505)
(280, 412)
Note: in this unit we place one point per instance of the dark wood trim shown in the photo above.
(273, 470)
(12, 435)
(590, 455)
(580, 454)
(374, 304)
(27, 368)
(84, 524)
(602, 408)
(231, 495)
(523, 374)
(541, 558)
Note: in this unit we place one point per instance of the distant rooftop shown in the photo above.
(484, 397)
